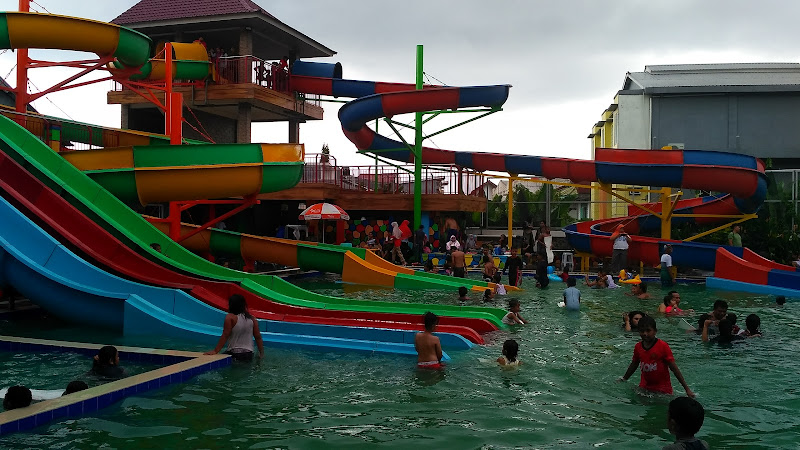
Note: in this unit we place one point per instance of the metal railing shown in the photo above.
(388, 179)
(69, 135)
(252, 70)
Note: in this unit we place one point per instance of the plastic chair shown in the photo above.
(566, 258)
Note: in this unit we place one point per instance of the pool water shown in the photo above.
(54, 370)
(564, 395)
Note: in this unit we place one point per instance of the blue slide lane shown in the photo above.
(53, 277)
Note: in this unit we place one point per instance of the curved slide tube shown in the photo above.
(131, 49)
(742, 176)
(593, 236)
(125, 224)
(154, 174)
(61, 219)
(355, 265)
(738, 174)
(55, 278)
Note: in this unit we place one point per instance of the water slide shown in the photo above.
(131, 49)
(60, 219)
(135, 232)
(176, 175)
(355, 265)
(153, 174)
(107, 210)
(61, 282)
(740, 175)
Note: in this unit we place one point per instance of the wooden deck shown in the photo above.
(375, 201)
(268, 105)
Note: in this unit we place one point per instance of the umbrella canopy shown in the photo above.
(324, 211)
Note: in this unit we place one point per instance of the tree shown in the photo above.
(532, 206)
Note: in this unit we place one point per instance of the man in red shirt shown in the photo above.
(654, 357)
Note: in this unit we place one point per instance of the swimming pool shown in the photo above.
(564, 394)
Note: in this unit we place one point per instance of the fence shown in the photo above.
(321, 168)
(69, 135)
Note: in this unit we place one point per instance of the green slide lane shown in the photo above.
(135, 231)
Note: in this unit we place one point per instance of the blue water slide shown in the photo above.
(50, 275)
(139, 313)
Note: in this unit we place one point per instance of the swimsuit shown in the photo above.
(509, 363)
(430, 365)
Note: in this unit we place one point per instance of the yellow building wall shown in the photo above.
(605, 205)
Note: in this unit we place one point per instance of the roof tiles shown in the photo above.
(159, 10)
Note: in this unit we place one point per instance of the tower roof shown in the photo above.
(214, 20)
(160, 10)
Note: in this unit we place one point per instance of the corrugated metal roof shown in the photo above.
(708, 75)
(157, 10)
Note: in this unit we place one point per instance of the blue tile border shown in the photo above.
(179, 367)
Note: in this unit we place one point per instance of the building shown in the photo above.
(250, 40)
(749, 108)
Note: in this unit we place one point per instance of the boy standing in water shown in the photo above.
(429, 349)
(654, 356)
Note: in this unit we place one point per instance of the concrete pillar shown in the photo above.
(294, 132)
(245, 41)
(243, 122)
(125, 117)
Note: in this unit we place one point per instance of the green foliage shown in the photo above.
(532, 206)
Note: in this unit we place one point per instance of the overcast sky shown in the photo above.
(565, 59)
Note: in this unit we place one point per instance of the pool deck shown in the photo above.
(179, 366)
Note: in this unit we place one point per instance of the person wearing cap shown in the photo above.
(619, 254)
(667, 277)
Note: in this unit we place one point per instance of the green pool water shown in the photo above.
(564, 396)
(54, 370)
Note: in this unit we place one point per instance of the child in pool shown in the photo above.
(513, 317)
(429, 349)
(17, 397)
(75, 386)
(639, 291)
(565, 273)
(656, 360)
(725, 333)
(780, 301)
(684, 418)
(753, 326)
(510, 352)
(488, 295)
(572, 296)
(631, 320)
(106, 363)
(499, 289)
(462, 294)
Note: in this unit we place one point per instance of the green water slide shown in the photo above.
(135, 231)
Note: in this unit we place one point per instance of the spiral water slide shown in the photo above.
(131, 230)
(741, 176)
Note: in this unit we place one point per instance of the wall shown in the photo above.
(761, 125)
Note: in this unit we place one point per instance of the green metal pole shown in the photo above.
(418, 149)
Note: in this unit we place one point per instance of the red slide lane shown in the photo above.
(81, 234)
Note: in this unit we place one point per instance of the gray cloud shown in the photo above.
(554, 53)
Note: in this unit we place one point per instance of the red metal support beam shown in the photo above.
(176, 208)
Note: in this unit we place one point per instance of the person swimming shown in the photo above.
(510, 352)
(106, 363)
